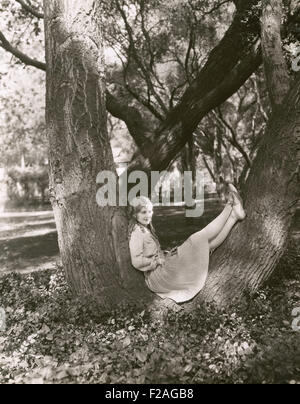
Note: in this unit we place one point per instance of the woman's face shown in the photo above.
(144, 216)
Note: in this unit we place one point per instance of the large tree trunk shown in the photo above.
(92, 239)
(248, 257)
(251, 253)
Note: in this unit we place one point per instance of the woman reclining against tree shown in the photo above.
(180, 273)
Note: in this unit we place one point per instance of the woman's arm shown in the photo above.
(138, 260)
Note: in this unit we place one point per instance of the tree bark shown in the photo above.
(274, 63)
(91, 238)
(248, 257)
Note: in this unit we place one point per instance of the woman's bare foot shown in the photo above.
(238, 212)
(237, 209)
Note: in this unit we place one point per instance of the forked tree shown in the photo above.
(92, 239)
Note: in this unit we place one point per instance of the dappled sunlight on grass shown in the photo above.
(20, 226)
(25, 213)
(28, 232)
(25, 224)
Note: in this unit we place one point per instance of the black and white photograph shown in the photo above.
(150, 194)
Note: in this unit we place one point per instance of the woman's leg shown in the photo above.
(218, 240)
(214, 228)
(216, 231)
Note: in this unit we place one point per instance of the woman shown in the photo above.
(181, 273)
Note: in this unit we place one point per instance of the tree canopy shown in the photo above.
(161, 57)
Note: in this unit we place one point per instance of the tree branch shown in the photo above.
(276, 72)
(20, 55)
(149, 45)
(171, 135)
(30, 9)
(146, 103)
(132, 117)
(217, 7)
(188, 53)
(233, 140)
(212, 10)
(259, 100)
(208, 168)
(138, 60)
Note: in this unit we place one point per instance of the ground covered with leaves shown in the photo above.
(51, 337)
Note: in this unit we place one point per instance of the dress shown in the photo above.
(183, 273)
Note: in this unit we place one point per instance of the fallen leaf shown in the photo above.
(141, 356)
(126, 341)
(188, 368)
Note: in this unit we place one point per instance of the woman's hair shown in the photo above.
(137, 204)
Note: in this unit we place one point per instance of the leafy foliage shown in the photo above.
(155, 49)
(22, 126)
(32, 181)
(158, 47)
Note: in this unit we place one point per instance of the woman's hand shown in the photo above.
(157, 260)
